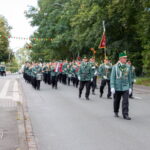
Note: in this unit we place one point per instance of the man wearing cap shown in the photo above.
(121, 85)
(94, 68)
(105, 72)
(85, 77)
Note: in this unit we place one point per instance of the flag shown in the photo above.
(103, 41)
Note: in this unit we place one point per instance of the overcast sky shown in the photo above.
(13, 11)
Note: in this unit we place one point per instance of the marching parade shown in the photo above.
(119, 78)
(74, 74)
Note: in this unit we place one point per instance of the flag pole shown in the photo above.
(104, 29)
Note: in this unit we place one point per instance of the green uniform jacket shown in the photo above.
(73, 71)
(3, 68)
(94, 69)
(85, 72)
(105, 71)
(45, 70)
(133, 76)
(53, 73)
(64, 68)
(36, 70)
(120, 80)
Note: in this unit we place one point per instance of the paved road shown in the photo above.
(61, 121)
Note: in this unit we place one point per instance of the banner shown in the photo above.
(103, 41)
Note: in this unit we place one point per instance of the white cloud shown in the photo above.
(13, 11)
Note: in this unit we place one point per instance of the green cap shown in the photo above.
(122, 54)
(84, 57)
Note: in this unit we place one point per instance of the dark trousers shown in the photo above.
(64, 78)
(93, 83)
(33, 82)
(38, 84)
(60, 77)
(73, 79)
(49, 78)
(54, 80)
(69, 79)
(87, 84)
(3, 73)
(76, 81)
(102, 86)
(45, 77)
(125, 102)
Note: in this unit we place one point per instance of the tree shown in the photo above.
(4, 43)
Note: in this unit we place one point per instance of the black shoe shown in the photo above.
(87, 98)
(131, 97)
(116, 115)
(101, 94)
(109, 97)
(93, 93)
(79, 95)
(127, 117)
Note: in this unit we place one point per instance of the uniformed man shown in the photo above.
(85, 77)
(121, 85)
(94, 68)
(45, 71)
(54, 74)
(3, 70)
(133, 76)
(104, 72)
(64, 72)
(37, 71)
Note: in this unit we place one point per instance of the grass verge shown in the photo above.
(143, 81)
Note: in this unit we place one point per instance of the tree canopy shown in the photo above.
(75, 26)
(4, 43)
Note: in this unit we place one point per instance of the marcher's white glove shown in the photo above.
(91, 79)
(79, 78)
(104, 77)
(130, 91)
(134, 80)
(95, 73)
(112, 91)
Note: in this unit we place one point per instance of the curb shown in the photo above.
(21, 128)
(26, 135)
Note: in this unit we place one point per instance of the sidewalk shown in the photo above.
(12, 127)
(9, 139)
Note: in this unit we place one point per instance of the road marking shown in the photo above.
(138, 97)
(9, 101)
(16, 92)
(5, 89)
(141, 90)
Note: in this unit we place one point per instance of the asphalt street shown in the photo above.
(62, 121)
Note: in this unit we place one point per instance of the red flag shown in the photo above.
(103, 41)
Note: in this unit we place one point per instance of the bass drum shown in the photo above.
(39, 76)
